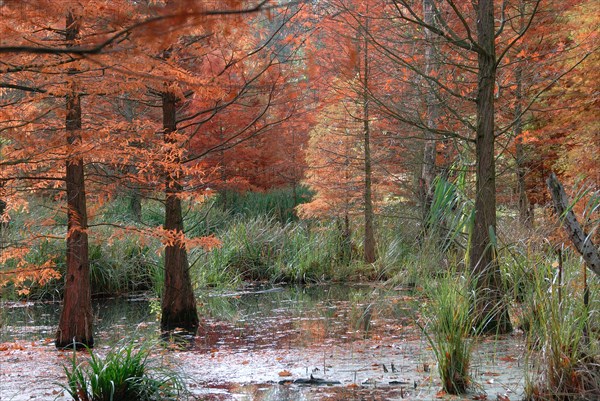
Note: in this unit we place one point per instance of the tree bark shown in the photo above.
(428, 169)
(492, 313)
(581, 240)
(369, 240)
(2, 208)
(224, 193)
(525, 212)
(135, 204)
(525, 215)
(178, 302)
(75, 325)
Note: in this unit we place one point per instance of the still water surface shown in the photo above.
(249, 341)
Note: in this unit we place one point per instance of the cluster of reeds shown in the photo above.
(449, 329)
(562, 333)
(262, 249)
(278, 204)
(124, 373)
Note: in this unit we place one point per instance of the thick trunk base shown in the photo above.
(499, 323)
(183, 319)
(178, 303)
(77, 343)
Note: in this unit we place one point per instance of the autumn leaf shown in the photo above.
(11, 346)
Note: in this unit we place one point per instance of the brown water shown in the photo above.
(249, 341)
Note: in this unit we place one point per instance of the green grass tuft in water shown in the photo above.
(124, 373)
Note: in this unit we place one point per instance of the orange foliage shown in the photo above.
(219, 68)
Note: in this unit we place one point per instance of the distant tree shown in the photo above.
(563, 135)
(345, 74)
(466, 77)
(429, 168)
(335, 172)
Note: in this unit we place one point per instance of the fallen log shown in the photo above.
(581, 240)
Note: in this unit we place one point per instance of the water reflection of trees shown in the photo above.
(296, 316)
(285, 317)
(116, 319)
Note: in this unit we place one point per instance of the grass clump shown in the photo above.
(448, 329)
(278, 204)
(564, 343)
(126, 373)
(121, 266)
(262, 249)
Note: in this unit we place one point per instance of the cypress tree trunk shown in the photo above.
(75, 326)
(369, 240)
(492, 314)
(525, 212)
(178, 302)
(2, 202)
(2, 208)
(428, 169)
(224, 193)
(135, 204)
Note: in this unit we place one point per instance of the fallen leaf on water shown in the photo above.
(11, 346)
(508, 358)
(440, 394)
(246, 362)
(503, 397)
(285, 373)
(353, 385)
(480, 397)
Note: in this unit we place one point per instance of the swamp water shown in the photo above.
(251, 341)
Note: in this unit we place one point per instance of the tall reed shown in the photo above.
(563, 336)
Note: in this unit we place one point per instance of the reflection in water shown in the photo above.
(270, 392)
(290, 317)
(114, 319)
(298, 317)
(248, 341)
